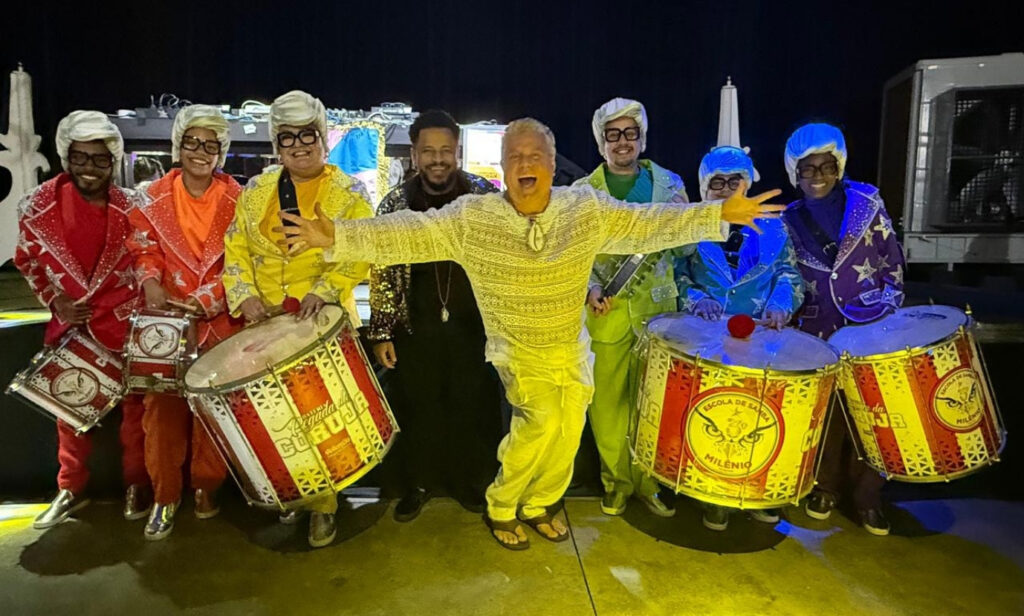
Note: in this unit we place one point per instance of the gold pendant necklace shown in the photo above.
(448, 288)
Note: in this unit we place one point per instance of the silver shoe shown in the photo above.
(715, 518)
(290, 518)
(322, 529)
(614, 503)
(161, 521)
(63, 505)
(766, 516)
(655, 506)
(138, 501)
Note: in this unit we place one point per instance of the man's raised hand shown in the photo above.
(742, 210)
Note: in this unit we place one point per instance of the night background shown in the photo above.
(792, 61)
(957, 546)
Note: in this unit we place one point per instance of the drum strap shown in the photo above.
(826, 244)
(629, 269)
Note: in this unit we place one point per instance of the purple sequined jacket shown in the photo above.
(866, 280)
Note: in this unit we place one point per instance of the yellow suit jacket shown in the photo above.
(254, 266)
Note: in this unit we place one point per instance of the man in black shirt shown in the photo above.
(426, 327)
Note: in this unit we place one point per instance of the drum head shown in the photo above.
(786, 350)
(914, 327)
(251, 352)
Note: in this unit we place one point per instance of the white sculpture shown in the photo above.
(20, 156)
(729, 116)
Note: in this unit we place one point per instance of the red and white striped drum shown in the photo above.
(732, 422)
(293, 407)
(161, 347)
(918, 394)
(77, 381)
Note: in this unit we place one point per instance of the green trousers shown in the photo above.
(616, 376)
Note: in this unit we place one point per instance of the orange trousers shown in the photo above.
(170, 431)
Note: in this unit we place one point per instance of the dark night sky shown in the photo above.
(557, 61)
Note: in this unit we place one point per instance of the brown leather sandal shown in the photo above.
(545, 519)
(508, 527)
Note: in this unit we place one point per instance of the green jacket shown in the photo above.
(654, 292)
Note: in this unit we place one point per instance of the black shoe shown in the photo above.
(874, 522)
(716, 518)
(410, 505)
(819, 505)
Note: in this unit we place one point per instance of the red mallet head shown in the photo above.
(291, 305)
(741, 326)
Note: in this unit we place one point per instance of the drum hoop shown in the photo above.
(761, 372)
(962, 331)
(273, 368)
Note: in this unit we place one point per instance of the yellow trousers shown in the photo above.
(549, 403)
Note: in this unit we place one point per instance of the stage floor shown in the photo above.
(961, 556)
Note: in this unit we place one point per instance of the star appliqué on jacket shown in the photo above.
(865, 271)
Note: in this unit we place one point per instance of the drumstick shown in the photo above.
(183, 306)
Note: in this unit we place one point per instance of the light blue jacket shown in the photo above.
(767, 274)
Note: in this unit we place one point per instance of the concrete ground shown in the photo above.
(956, 548)
(960, 556)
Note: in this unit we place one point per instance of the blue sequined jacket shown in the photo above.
(766, 275)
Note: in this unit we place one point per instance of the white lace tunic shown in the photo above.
(530, 275)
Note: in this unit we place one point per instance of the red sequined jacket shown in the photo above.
(162, 254)
(44, 258)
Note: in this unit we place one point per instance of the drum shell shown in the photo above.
(162, 372)
(678, 446)
(900, 403)
(75, 351)
(307, 427)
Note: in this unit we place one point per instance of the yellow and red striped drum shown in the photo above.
(732, 422)
(918, 395)
(293, 407)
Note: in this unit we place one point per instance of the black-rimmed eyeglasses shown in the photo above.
(100, 161)
(718, 183)
(306, 136)
(612, 135)
(190, 143)
(827, 170)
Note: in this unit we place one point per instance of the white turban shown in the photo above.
(726, 160)
(88, 126)
(815, 139)
(620, 108)
(200, 116)
(297, 108)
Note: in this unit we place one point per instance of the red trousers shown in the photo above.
(170, 430)
(73, 450)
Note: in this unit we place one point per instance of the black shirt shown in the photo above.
(430, 283)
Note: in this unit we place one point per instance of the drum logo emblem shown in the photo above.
(74, 387)
(732, 434)
(158, 340)
(957, 401)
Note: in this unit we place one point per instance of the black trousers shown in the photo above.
(841, 474)
(447, 401)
